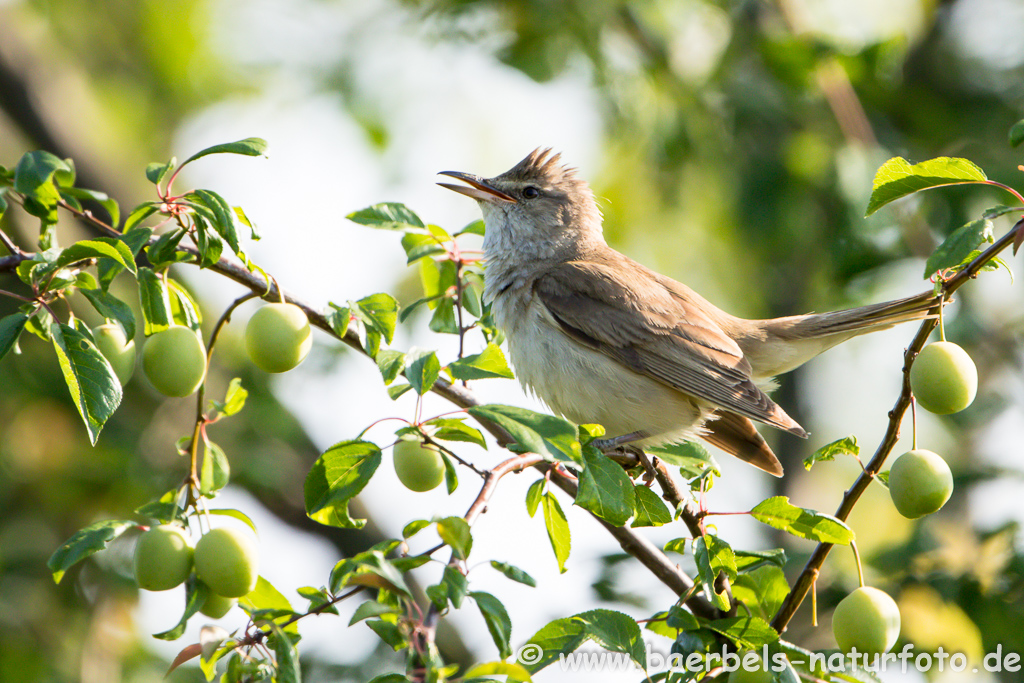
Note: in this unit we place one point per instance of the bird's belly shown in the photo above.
(586, 386)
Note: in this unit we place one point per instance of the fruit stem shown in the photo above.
(814, 603)
(942, 328)
(913, 423)
(860, 569)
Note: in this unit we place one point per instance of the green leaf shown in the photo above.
(443, 321)
(488, 363)
(216, 470)
(828, 452)
(650, 508)
(559, 637)
(514, 573)
(605, 489)
(370, 568)
(98, 247)
(454, 531)
(763, 589)
(512, 672)
(389, 678)
(139, 214)
(422, 369)
(414, 527)
(163, 250)
(164, 509)
(224, 218)
(155, 302)
(371, 608)
(336, 477)
(94, 387)
(156, 172)
(234, 398)
(101, 198)
(456, 584)
(85, 542)
(497, 619)
(533, 496)
(338, 318)
(474, 228)
(712, 556)
(680, 617)
(287, 657)
(897, 178)
(749, 633)
(195, 595)
(616, 632)
(109, 306)
(33, 178)
(1017, 134)
(690, 456)
(452, 429)
(378, 312)
(558, 529)
(747, 560)
(10, 329)
(266, 599)
(960, 244)
(546, 435)
(252, 147)
(777, 512)
(389, 215)
(389, 362)
(234, 514)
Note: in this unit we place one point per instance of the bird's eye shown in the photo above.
(530, 192)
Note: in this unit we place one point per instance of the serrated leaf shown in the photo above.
(762, 590)
(444, 321)
(605, 489)
(338, 318)
(616, 632)
(422, 368)
(961, 243)
(98, 247)
(514, 573)
(252, 147)
(286, 656)
(498, 622)
(83, 543)
(749, 633)
(713, 555)
(234, 398)
(378, 312)
(650, 508)
(559, 637)
(109, 306)
(155, 302)
(547, 435)
(681, 618)
(388, 215)
(224, 219)
(533, 496)
(454, 531)
(897, 178)
(389, 362)
(11, 327)
(558, 529)
(335, 478)
(215, 471)
(451, 429)
(828, 452)
(95, 389)
(692, 457)
(488, 363)
(749, 559)
(474, 228)
(777, 512)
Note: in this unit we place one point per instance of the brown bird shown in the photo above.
(602, 339)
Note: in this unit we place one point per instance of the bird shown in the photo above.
(601, 338)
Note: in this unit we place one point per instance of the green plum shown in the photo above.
(216, 606)
(119, 351)
(174, 361)
(418, 465)
(866, 619)
(920, 483)
(944, 378)
(228, 562)
(278, 337)
(163, 558)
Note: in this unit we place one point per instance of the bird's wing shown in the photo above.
(664, 335)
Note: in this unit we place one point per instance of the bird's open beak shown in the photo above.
(478, 188)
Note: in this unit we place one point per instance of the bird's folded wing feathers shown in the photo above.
(663, 336)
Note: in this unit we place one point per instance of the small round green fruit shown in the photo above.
(163, 558)
(746, 674)
(216, 606)
(944, 378)
(866, 619)
(228, 562)
(119, 351)
(174, 361)
(278, 337)
(920, 483)
(418, 465)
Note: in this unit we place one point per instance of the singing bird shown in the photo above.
(603, 339)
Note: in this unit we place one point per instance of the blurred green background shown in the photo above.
(732, 146)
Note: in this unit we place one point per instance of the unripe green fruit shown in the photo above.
(418, 465)
(163, 558)
(228, 562)
(118, 351)
(866, 619)
(920, 483)
(278, 337)
(761, 674)
(944, 378)
(215, 606)
(174, 361)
